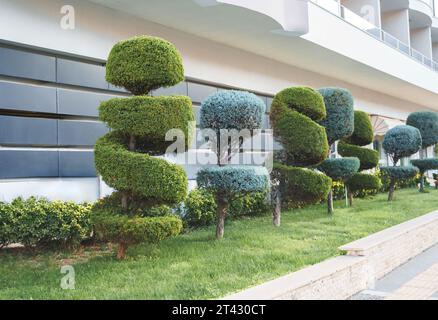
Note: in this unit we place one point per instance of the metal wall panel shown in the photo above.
(28, 164)
(83, 103)
(81, 74)
(22, 64)
(76, 164)
(17, 96)
(27, 131)
(79, 133)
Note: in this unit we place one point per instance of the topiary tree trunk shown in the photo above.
(222, 207)
(330, 202)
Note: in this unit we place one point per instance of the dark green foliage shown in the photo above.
(339, 122)
(363, 134)
(302, 186)
(125, 157)
(231, 181)
(150, 117)
(402, 141)
(397, 173)
(427, 123)
(141, 174)
(200, 208)
(368, 158)
(142, 64)
(40, 222)
(362, 181)
(293, 115)
(340, 168)
(425, 164)
(410, 182)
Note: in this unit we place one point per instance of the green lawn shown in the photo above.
(195, 266)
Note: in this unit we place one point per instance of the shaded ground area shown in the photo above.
(196, 266)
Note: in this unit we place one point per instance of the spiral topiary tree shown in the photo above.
(362, 136)
(338, 124)
(295, 113)
(125, 157)
(339, 169)
(427, 123)
(399, 142)
(228, 113)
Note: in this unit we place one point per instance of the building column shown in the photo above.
(396, 23)
(421, 40)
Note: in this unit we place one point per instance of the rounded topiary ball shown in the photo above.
(340, 168)
(425, 164)
(339, 122)
(402, 141)
(144, 63)
(232, 109)
(427, 123)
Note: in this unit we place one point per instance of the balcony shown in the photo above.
(335, 7)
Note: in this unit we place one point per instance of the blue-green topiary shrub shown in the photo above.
(339, 122)
(427, 123)
(230, 182)
(341, 168)
(402, 141)
(232, 109)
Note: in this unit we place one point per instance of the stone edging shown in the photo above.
(367, 260)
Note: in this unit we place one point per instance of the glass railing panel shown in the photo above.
(417, 55)
(376, 33)
(330, 5)
(427, 62)
(403, 47)
(391, 40)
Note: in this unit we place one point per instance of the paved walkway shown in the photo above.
(415, 280)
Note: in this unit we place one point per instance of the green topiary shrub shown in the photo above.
(361, 182)
(301, 186)
(294, 124)
(39, 222)
(368, 158)
(295, 113)
(228, 183)
(143, 64)
(340, 169)
(353, 146)
(427, 123)
(339, 122)
(126, 157)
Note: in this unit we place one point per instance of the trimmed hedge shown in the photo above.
(427, 123)
(231, 109)
(230, 181)
(402, 141)
(293, 115)
(39, 222)
(397, 173)
(362, 181)
(150, 117)
(340, 168)
(144, 63)
(363, 134)
(132, 230)
(368, 158)
(301, 186)
(425, 164)
(339, 122)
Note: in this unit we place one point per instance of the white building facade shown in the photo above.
(52, 56)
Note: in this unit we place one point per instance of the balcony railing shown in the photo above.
(335, 7)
